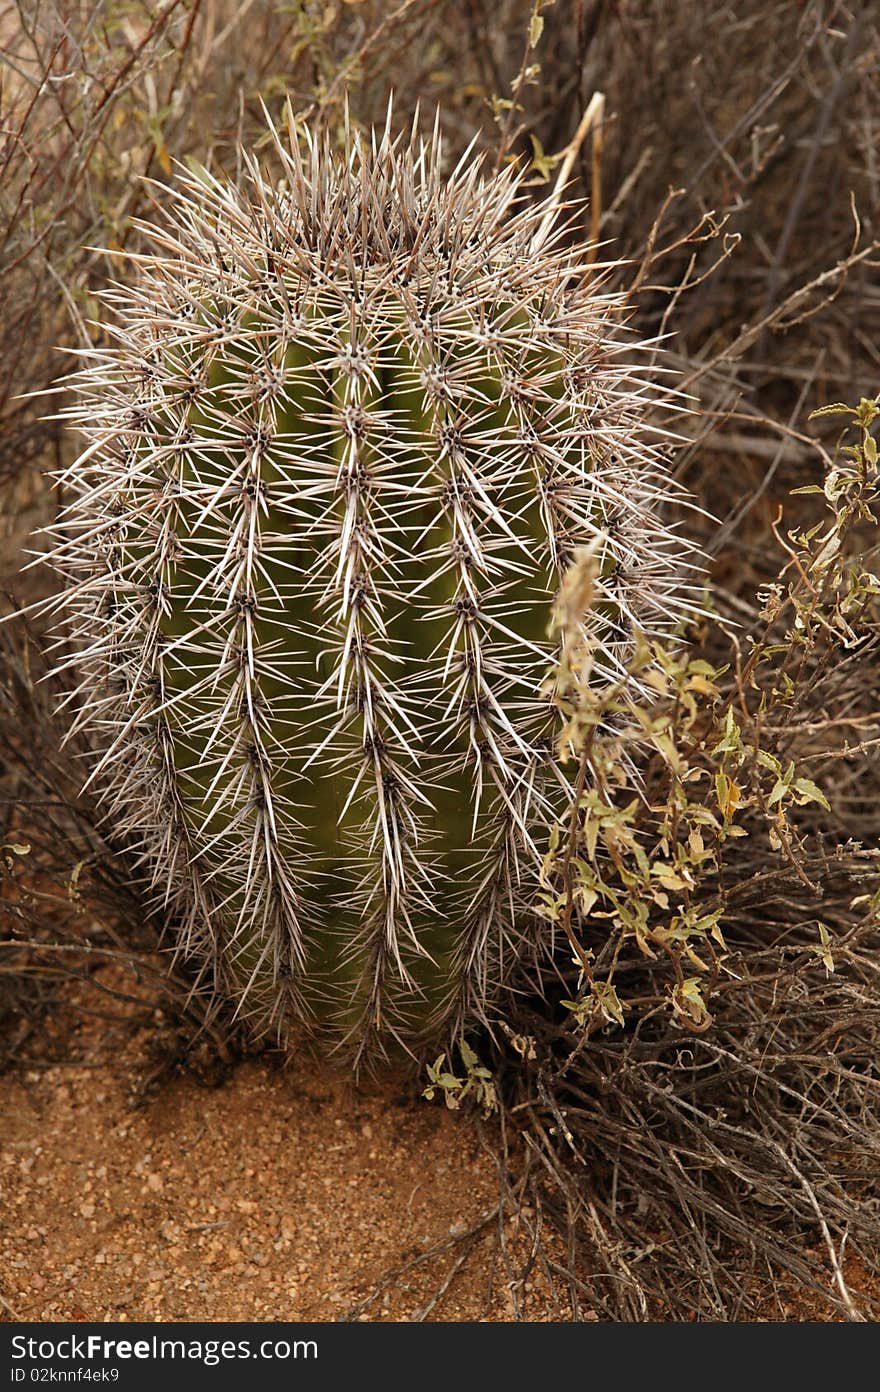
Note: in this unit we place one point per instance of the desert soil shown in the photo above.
(283, 1194)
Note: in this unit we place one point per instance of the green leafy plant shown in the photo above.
(654, 855)
(477, 1085)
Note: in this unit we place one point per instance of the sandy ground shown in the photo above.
(282, 1194)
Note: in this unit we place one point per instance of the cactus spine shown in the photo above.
(350, 427)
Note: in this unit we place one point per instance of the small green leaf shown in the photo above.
(768, 761)
(810, 792)
(608, 1001)
(468, 1057)
(689, 1005)
(836, 408)
(542, 163)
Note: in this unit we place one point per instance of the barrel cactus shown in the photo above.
(347, 424)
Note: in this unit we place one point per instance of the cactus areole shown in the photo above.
(351, 423)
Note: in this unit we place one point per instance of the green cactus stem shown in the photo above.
(354, 417)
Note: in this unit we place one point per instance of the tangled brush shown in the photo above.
(349, 424)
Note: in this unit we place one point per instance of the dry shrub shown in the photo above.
(700, 1094)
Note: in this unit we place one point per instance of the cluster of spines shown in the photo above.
(352, 425)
